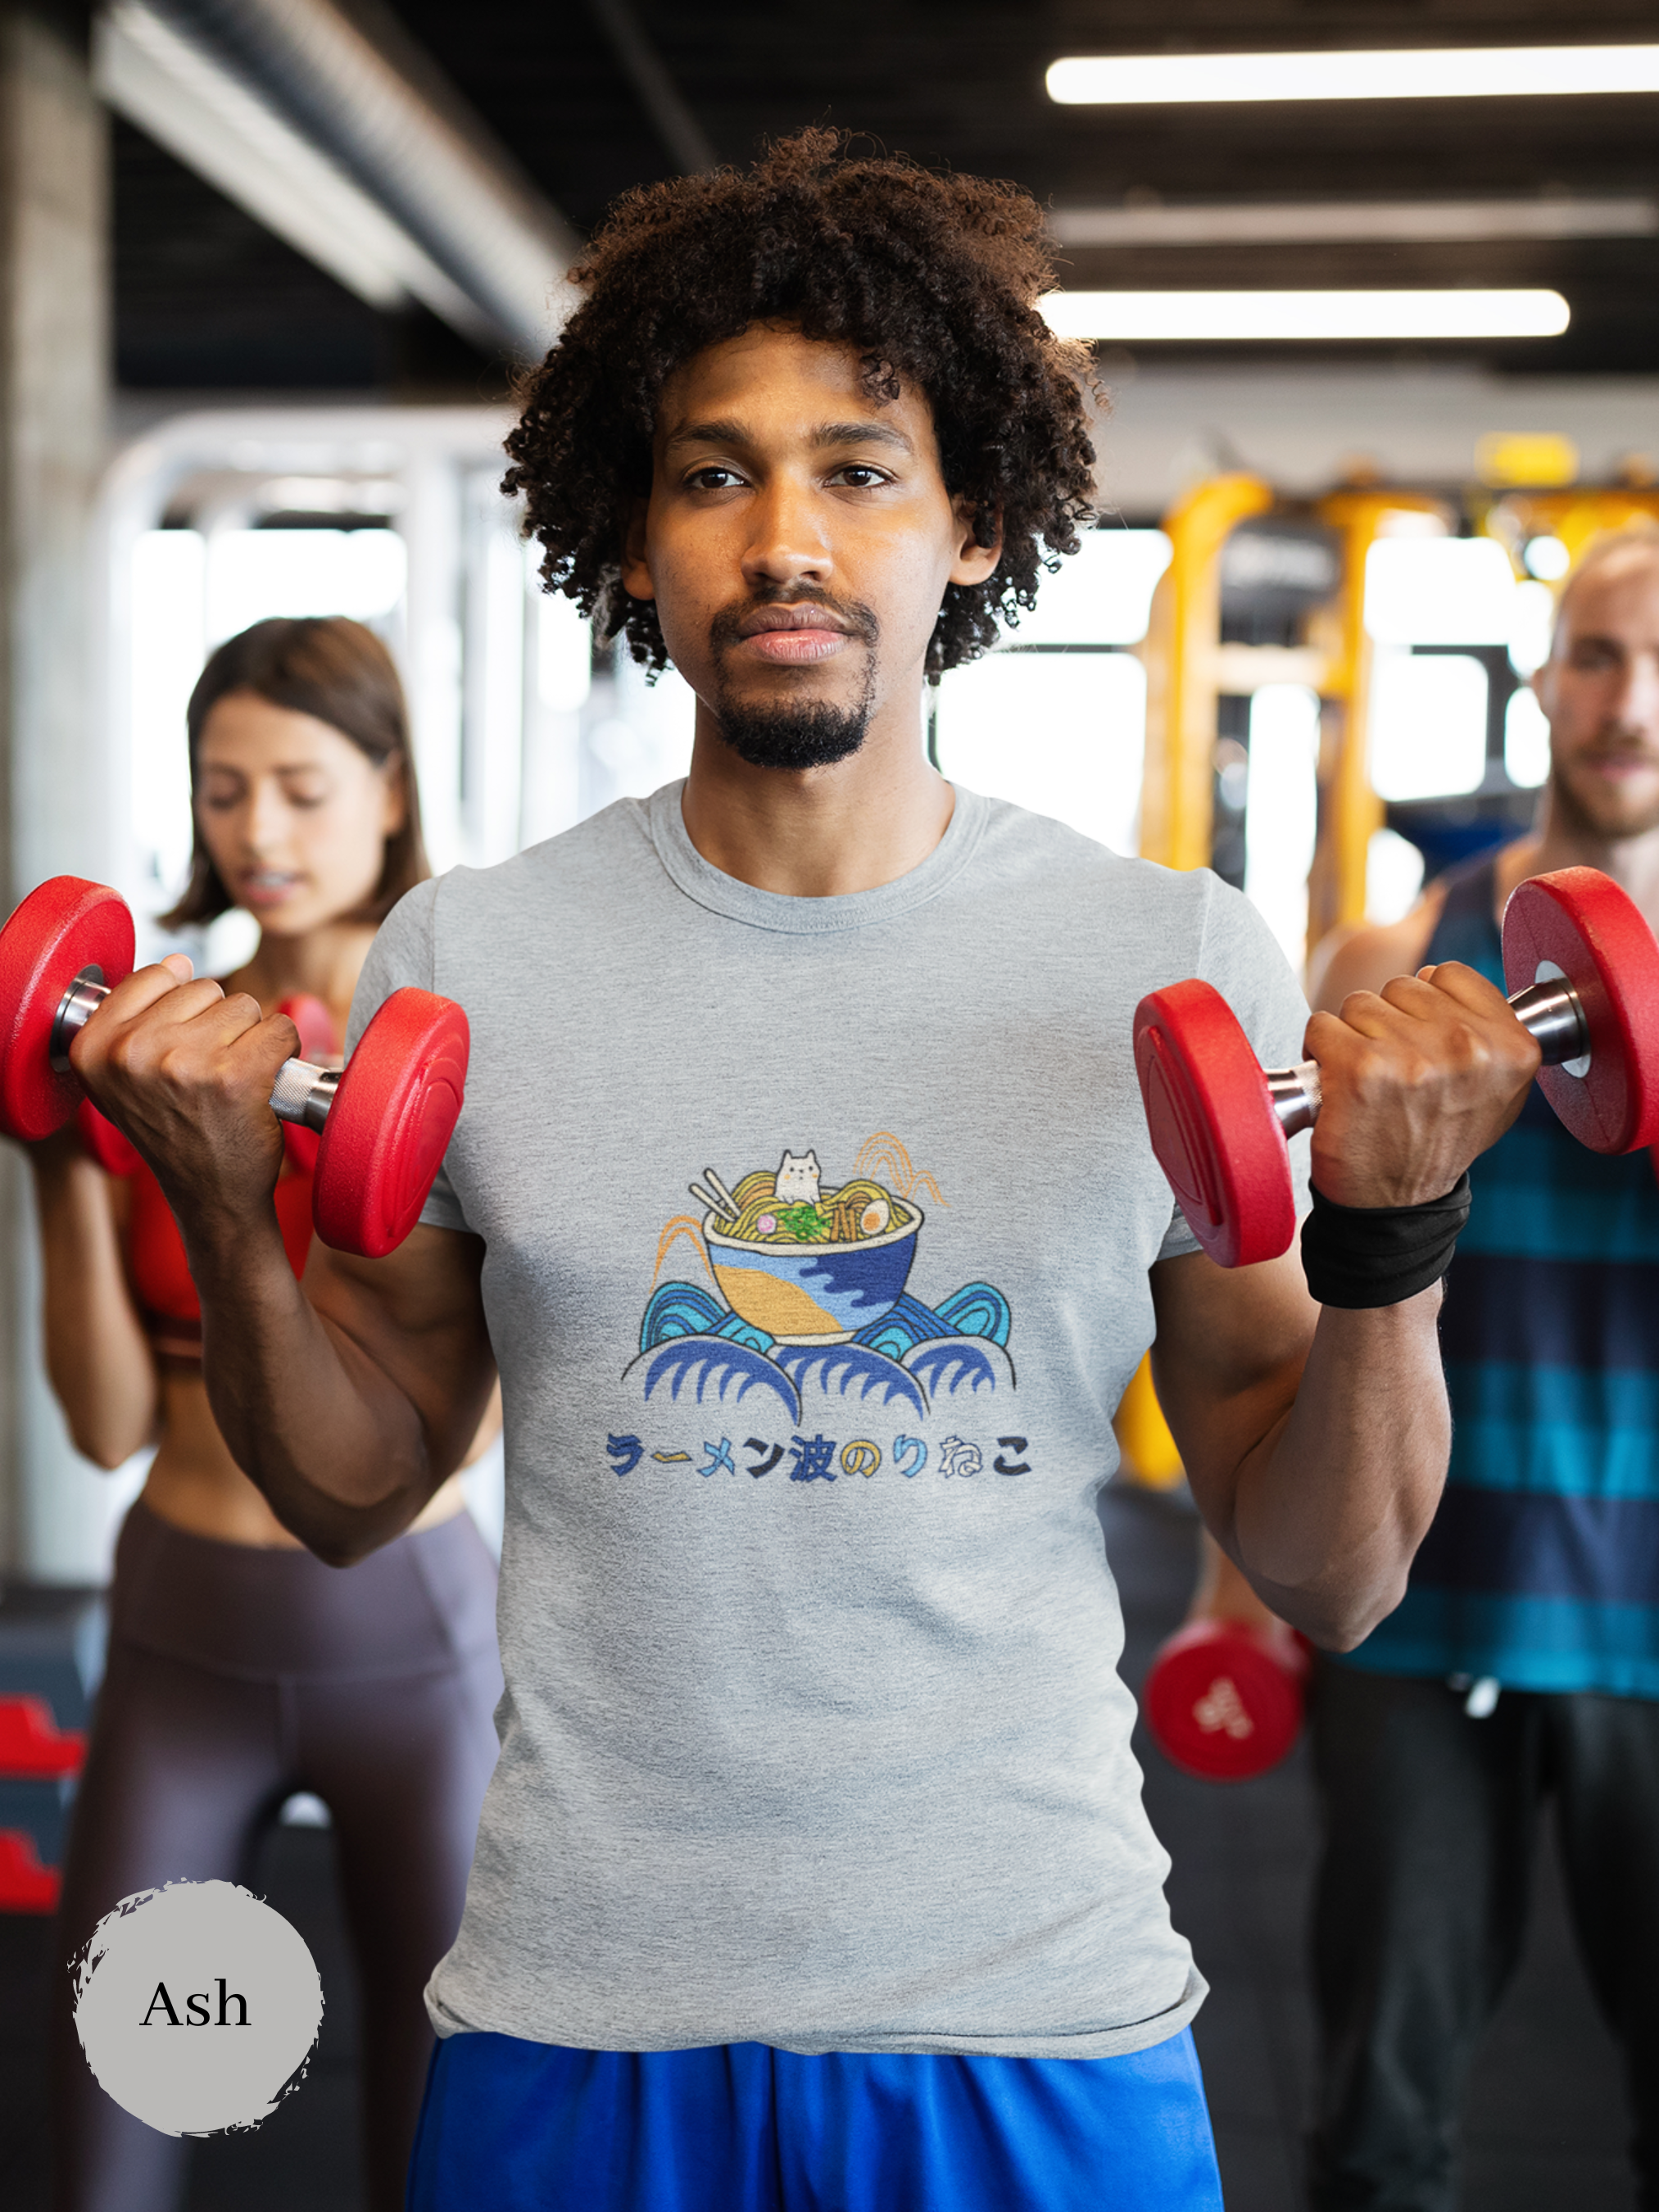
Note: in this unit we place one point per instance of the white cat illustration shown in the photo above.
(798, 1179)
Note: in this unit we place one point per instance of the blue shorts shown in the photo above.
(510, 2126)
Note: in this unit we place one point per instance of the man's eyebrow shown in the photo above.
(723, 432)
(728, 432)
(863, 434)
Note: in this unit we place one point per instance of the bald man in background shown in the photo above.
(1522, 1667)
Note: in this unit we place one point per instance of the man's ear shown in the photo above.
(636, 562)
(974, 561)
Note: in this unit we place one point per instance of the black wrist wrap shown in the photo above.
(1379, 1255)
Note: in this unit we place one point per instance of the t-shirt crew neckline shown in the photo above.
(816, 917)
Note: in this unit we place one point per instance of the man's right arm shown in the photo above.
(351, 1400)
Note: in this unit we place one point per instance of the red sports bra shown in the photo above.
(156, 1266)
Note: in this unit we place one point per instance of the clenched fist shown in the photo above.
(1417, 1079)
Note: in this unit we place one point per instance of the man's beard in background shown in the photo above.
(1580, 813)
(787, 733)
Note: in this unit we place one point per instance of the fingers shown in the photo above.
(1467, 985)
(146, 986)
(1418, 1078)
(1425, 997)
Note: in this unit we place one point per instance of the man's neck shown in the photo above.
(821, 832)
(1558, 842)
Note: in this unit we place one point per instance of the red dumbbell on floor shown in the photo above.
(384, 1121)
(1582, 972)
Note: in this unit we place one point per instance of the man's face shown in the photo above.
(1599, 688)
(798, 541)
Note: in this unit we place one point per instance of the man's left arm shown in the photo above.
(1316, 1438)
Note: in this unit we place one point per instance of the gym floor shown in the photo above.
(1544, 2121)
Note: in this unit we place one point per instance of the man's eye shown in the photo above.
(859, 476)
(712, 478)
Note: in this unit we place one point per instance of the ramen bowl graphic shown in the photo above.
(815, 1293)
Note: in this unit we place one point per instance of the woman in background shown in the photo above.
(241, 1669)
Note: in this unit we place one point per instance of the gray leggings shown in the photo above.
(236, 1676)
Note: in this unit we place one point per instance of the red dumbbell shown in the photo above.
(385, 1122)
(1582, 971)
(1223, 1698)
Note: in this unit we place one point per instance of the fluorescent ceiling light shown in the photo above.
(1151, 317)
(213, 124)
(1313, 223)
(1432, 73)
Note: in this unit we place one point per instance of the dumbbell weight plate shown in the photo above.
(390, 1123)
(67, 925)
(1577, 923)
(1223, 1700)
(1213, 1125)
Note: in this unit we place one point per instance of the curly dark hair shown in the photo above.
(934, 279)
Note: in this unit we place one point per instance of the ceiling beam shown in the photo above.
(290, 109)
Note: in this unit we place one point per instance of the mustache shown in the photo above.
(852, 616)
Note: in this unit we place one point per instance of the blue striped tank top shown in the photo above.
(1541, 1568)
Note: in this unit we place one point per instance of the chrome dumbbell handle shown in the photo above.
(303, 1092)
(1549, 1009)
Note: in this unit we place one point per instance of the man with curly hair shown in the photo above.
(814, 1871)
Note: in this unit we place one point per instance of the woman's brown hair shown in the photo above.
(336, 670)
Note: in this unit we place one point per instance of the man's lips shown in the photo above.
(792, 646)
(791, 634)
(1619, 764)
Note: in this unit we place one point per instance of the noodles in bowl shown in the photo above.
(858, 1213)
(808, 1270)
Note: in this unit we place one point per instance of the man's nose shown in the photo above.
(787, 544)
(1637, 704)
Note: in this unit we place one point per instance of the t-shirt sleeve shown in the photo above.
(1241, 958)
(401, 955)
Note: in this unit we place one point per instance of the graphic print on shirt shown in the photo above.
(803, 1331)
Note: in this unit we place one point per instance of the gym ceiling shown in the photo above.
(207, 300)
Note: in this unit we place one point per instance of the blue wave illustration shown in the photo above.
(679, 1310)
(910, 1323)
(712, 1369)
(955, 1364)
(850, 1371)
(976, 1309)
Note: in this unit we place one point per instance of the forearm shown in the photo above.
(1330, 1507)
(98, 1360)
(338, 1450)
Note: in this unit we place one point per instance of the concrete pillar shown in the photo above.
(58, 803)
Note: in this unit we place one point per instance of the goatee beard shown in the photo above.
(796, 734)
(1584, 820)
(811, 733)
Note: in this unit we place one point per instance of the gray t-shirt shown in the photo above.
(812, 1733)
